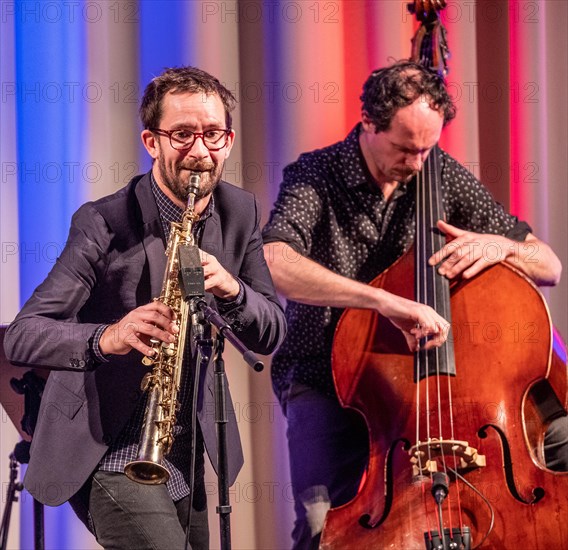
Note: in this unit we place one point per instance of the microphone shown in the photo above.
(190, 273)
(192, 285)
(439, 489)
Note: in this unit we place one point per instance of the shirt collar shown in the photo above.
(171, 212)
(353, 167)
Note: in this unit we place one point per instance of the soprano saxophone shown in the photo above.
(163, 382)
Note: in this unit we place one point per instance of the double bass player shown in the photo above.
(343, 215)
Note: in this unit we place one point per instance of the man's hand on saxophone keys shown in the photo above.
(134, 330)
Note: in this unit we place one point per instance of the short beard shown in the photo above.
(211, 175)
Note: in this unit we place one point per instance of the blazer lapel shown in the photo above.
(212, 239)
(152, 235)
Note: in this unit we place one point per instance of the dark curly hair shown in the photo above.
(392, 88)
(178, 80)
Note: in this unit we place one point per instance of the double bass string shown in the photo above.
(433, 290)
(443, 293)
(423, 356)
(420, 354)
(419, 248)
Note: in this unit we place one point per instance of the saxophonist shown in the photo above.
(94, 318)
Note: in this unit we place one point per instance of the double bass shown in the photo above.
(456, 433)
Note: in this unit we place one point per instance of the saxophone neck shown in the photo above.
(188, 219)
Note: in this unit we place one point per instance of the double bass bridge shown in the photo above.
(425, 455)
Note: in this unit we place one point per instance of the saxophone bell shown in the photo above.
(147, 468)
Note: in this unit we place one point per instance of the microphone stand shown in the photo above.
(11, 496)
(224, 330)
(31, 387)
(224, 507)
(191, 283)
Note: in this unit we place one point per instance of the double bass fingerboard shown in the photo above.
(432, 288)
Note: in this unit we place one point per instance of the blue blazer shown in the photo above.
(113, 262)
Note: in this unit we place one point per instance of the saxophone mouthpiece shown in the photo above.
(194, 182)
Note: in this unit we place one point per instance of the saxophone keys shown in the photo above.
(145, 381)
(168, 349)
(147, 361)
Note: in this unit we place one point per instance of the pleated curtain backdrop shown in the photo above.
(72, 74)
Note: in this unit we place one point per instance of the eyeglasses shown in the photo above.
(183, 140)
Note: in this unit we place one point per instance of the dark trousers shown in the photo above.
(556, 445)
(124, 514)
(328, 448)
(328, 455)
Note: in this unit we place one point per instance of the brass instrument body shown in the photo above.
(162, 383)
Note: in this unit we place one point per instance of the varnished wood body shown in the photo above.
(510, 380)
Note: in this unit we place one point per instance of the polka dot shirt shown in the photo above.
(330, 210)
